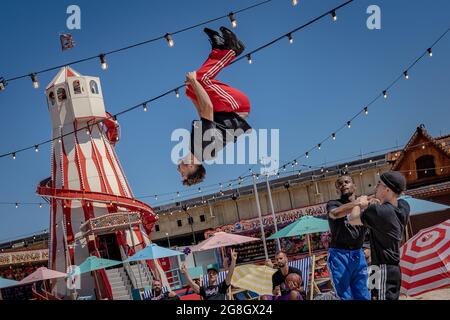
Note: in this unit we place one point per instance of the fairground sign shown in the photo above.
(284, 217)
(17, 257)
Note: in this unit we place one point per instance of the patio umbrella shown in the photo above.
(254, 278)
(425, 260)
(222, 239)
(4, 283)
(153, 251)
(42, 274)
(93, 263)
(304, 225)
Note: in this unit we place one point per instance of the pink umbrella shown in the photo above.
(42, 274)
(222, 239)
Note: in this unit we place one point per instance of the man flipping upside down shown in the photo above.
(222, 109)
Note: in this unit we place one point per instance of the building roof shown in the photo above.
(441, 143)
(61, 77)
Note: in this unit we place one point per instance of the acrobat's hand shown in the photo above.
(191, 77)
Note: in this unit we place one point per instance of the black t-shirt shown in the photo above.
(209, 137)
(214, 292)
(165, 296)
(387, 224)
(343, 234)
(278, 279)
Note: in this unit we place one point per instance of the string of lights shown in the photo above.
(145, 104)
(218, 189)
(240, 180)
(168, 37)
(365, 109)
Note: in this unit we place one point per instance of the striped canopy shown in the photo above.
(254, 278)
(425, 260)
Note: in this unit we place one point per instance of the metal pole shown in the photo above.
(168, 239)
(134, 249)
(67, 252)
(258, 206)
(269, 193)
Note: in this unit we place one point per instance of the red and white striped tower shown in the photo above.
(87, 180)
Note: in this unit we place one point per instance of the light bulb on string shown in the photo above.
(319, 145)
(291, 39)
(177, 93)
(17, 205)
(103, 63)
(385, 94)
(307, 155)
(333, 15)
(14, 156)
(40, 205)
(294, 2)
(169, 40)
(349, 124)
(366, 110)
(35, 81)
(156, 197)
(405, 73)
(145, 106)
(249, 58)
(333, 135)
(36, 148)
(232, 19)
(430, 53)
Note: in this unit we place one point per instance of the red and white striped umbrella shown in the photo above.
(425, 260)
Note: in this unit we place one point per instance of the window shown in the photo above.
(51, 98)
(179, 223)
(156, 228)
(61, 93)
(425, 167)
(77, 87)
(190, 220)
(202, 218)
(94, 87)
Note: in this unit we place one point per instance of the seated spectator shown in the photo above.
(294, 288)
(279, 277)
(159, 295)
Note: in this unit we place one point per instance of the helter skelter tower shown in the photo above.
(92, 208)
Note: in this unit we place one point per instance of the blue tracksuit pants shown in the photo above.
(348, 271)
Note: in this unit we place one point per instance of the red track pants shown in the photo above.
(223, 97)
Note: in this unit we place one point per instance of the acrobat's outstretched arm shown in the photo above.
(204, 104)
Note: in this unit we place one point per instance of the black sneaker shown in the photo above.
(231, 41)
(216, 40)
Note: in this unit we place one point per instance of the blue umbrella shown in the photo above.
(152, 251)
(419, 206)
(4, 283)
(94, 263)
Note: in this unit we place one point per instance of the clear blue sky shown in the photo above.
(306, 89)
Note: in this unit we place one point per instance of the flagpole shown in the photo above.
(258, 206)
(269, 192)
